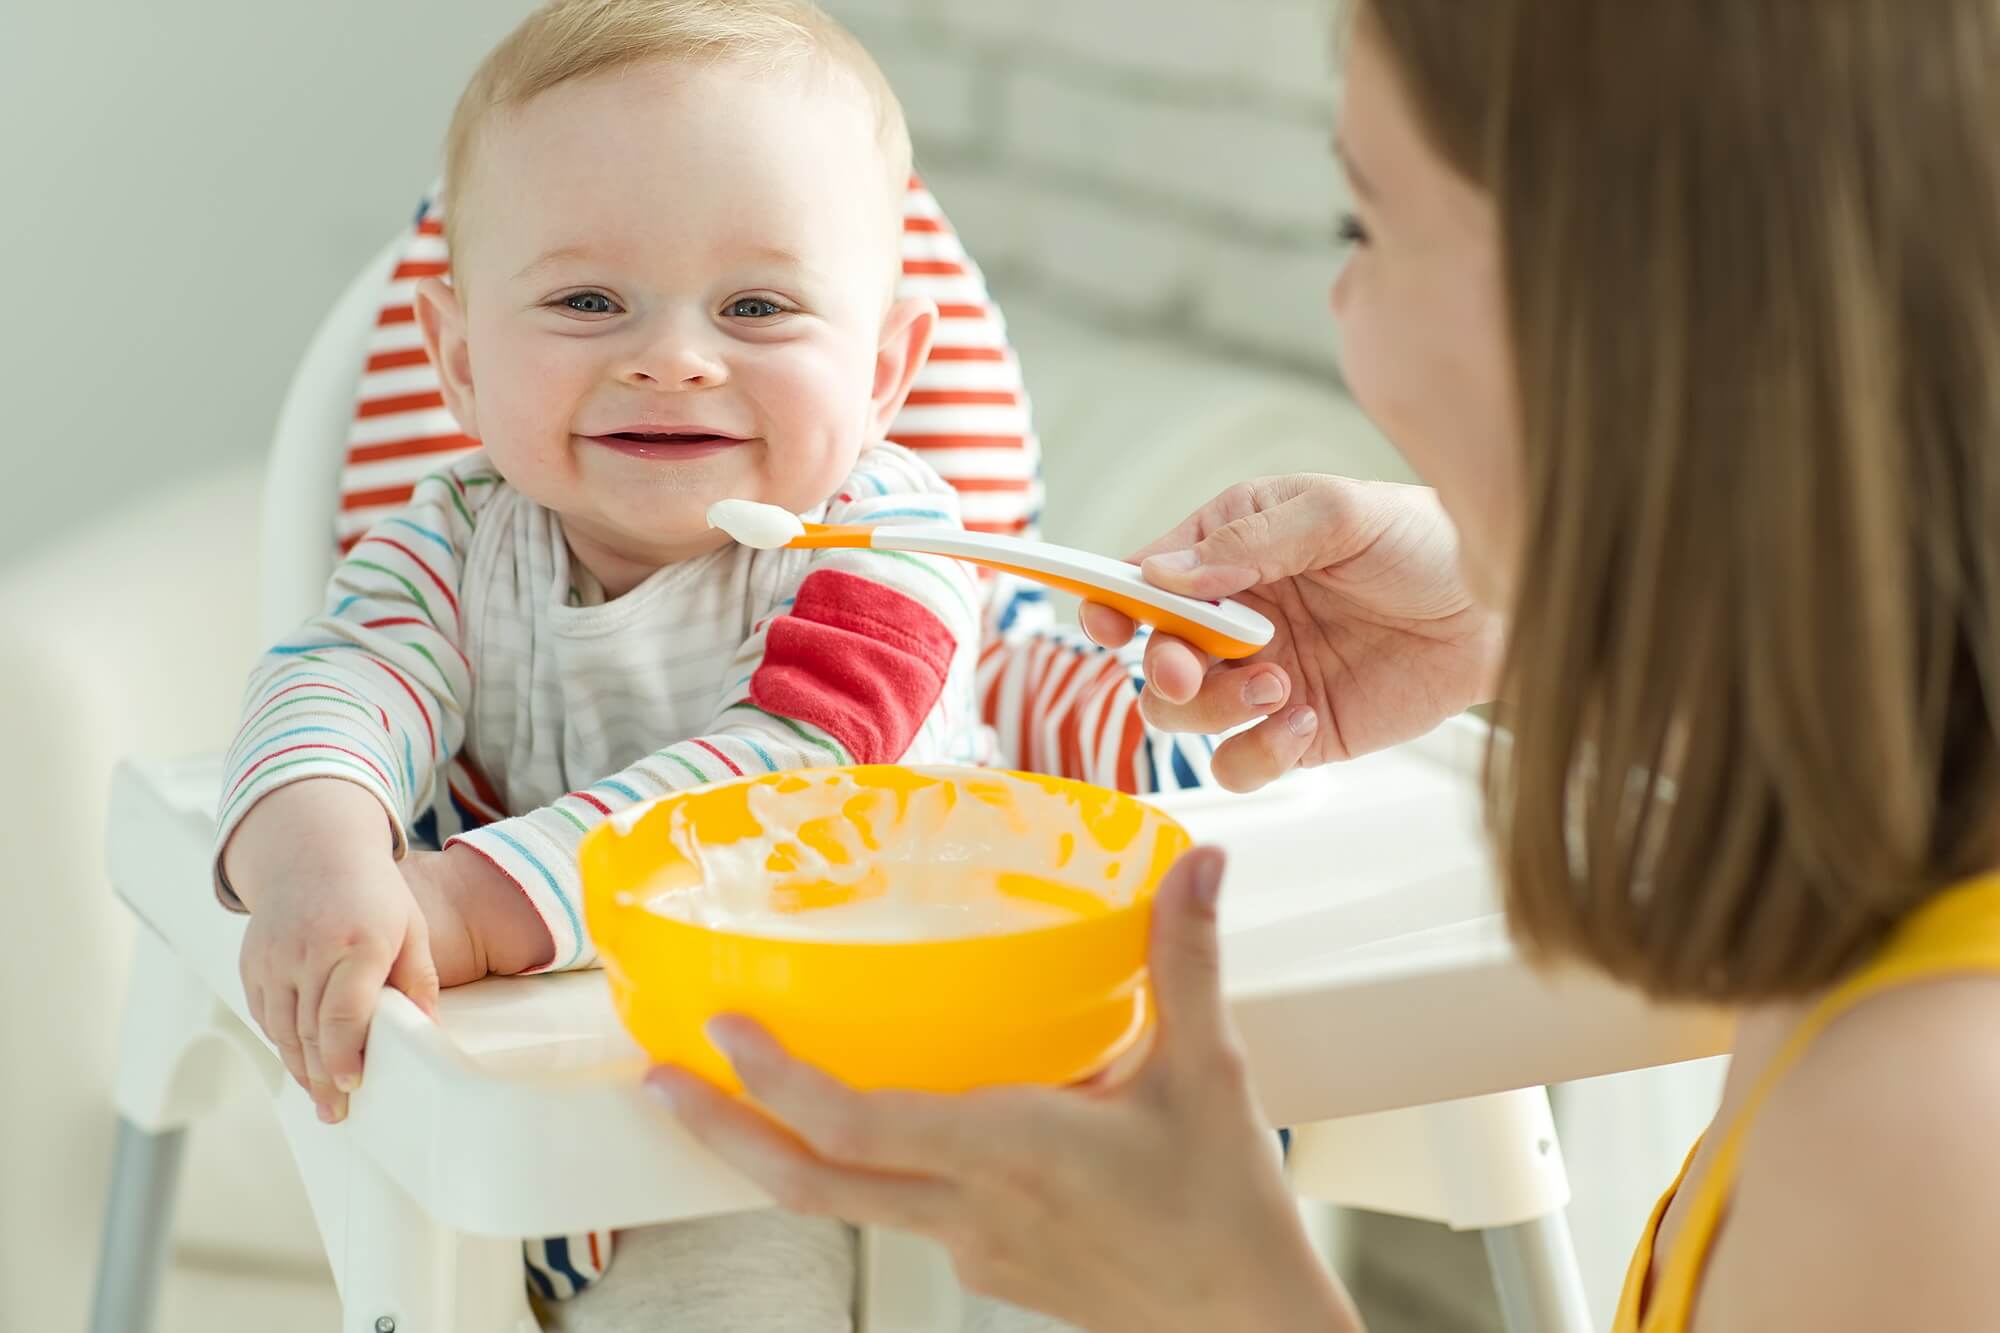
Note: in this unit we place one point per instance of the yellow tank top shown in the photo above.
(1956, 932)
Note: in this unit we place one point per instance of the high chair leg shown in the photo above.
(175, 1041)
(1536, 1276)
(905, 1284)
(138, 1223)
(171, 1068)
(398, 1269)
(1488, 1164)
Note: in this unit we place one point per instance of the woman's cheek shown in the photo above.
(1361, 361)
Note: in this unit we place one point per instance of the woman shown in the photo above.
(1688, 311)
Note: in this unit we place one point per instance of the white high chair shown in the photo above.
(1364, 959)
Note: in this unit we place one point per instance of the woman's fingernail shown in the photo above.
(662, 1088)
(325, 1114)
(1208, 883)
(1303, 722)
(1263, 691)
(719, 1037)
(1176, 562)
(347, 1082)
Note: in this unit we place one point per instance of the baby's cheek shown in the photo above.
(527, 435)
(499, 377)
(526, 467)
(799, 477)
(822, 417)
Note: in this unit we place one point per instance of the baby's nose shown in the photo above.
(676, 363)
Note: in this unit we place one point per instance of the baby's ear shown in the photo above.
(907, 331)
(442, 317)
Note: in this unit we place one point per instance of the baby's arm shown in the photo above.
(870, 663)
(345, 727)
(480, 924)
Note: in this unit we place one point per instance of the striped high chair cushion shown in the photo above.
(967, 414)
(1058, 704)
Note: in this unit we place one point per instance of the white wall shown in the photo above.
(1151, 165)
(183, 187)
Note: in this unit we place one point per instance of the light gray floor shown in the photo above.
(1408, 1277)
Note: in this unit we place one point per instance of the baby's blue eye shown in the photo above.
(753, 307)
(590, 303)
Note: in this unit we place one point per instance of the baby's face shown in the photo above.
(674, 286)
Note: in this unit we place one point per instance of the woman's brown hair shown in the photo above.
(1752, 250)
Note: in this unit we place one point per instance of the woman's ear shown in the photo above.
(907, 331)
(442, 318)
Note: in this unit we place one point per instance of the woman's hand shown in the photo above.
(1377, 640)
(1153, 1202)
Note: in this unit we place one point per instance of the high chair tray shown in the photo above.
(1366, 964)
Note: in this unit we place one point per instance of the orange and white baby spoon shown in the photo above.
(1227, 630)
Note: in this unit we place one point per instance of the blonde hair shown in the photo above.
(575, 39)
(1752, 253)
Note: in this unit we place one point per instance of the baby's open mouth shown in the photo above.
(673, 444)
(669, 437)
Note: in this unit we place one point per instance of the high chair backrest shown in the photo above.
(302, 477)
(364, 420)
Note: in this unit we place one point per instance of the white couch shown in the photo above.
(131, 635)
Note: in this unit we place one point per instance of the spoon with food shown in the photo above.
(1226, 630)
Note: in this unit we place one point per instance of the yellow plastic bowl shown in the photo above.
(1048, 1004)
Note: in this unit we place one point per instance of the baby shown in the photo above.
(674, 232)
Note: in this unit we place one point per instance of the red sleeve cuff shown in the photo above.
(860, 661)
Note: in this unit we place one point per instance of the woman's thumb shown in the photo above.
(1185, 957)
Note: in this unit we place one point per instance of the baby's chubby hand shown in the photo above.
(331, 920)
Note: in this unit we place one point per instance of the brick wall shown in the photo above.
(1154, 165)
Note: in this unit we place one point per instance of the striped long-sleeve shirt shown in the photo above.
(464, 671)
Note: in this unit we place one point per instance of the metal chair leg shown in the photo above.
(1536, 1276)
(138, 1224)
